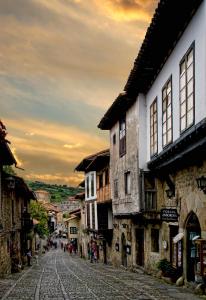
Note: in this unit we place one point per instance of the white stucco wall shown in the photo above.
(142, 130)
(195, 32)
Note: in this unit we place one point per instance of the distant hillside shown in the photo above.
(59, 193)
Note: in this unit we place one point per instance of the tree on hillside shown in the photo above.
(39, 213)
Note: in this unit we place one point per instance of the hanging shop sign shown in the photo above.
(169, 215)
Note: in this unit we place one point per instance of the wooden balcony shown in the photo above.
(104, 194)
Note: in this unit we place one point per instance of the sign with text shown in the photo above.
(169, 215)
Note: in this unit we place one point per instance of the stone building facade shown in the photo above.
(159, 122)
(123, 121)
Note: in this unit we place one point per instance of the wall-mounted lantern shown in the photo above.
(201, 183)
(170, 193)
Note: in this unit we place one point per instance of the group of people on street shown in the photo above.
(71, 247)
(52, 243)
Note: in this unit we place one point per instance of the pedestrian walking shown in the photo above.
(91, 251)
(36, 256)
(70, 248)
(95, 255)
(29, 256)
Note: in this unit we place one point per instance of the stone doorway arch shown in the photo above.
(193, 230)
(123, 250)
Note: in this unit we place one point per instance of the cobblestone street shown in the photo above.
(60, 276)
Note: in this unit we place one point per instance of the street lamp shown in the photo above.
(170, 193)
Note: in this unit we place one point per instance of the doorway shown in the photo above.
(140, 246)
(192, 230)
(123, 248)
(104, 252)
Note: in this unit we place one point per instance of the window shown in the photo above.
(90, 186)
(154, 240)
(114, 139)
(73, 230)
(106, 176)
(88, 215)
(122, 136)
(167, 113)
(127, 183)
(93, 215)
(115, 188)
(87, 189)
(187, 90)
(153, 128)
(150, 200)
(100, 181)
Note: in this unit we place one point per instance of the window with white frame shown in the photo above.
(153, 127)
(127, 183)
(90, 187)
(73, 230)
(88, 215)
(167, 113)
(87, 186)
(187, 90)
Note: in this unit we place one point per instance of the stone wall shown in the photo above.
(12, 206)
(188, 198)
(5, 262)
(122, 227)
(128, 163)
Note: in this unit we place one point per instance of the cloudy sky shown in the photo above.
(62, 64)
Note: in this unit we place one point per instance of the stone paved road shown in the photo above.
(60, 276)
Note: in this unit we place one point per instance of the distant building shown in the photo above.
(54, 215)
(96, 209)
(43, 196)
(69, 205)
